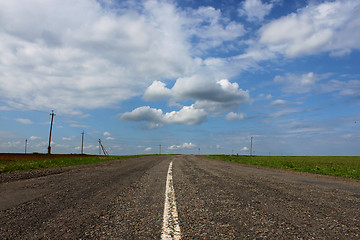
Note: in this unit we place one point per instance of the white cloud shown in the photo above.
(298, 83)
(91, 147)
(235, 116)
(347, 136)
(67, 138)
(24, 121)
(224, 96)
(350, 88)
(282, 103)
(255, 10)
(285, 112)
(209, 28)
(187, 115)
(107, 134)
(211, 96)
(324, 27)
(182, 146)
(12, 144)
(156, 91)
(75, 125)
(148, 149)
(306, 130)
(5, 108)
(35, 138)
(108, 56)
(244, 149)
(340, 53)
(145, 113)
(278, 103)
(110, 138)
(105, 57)
(311, 82)
(201, 88)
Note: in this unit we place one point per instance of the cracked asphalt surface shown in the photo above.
(124, 199)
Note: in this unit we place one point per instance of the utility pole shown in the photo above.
(52, 120)
(82, 142)
(159, 149)
(25, 146)
(199, 152)
(251, 146)
(102, 147)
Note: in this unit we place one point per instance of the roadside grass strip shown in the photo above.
(342, 166)
(171, 227)
(28, 165)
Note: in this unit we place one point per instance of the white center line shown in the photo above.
(171, 228)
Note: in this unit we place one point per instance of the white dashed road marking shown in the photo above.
(171, 228)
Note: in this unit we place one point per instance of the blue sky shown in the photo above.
(188, 75)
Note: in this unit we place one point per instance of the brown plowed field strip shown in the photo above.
(25, 157)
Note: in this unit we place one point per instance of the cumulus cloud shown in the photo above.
(35, 138)
(24, 121)
(68, 56)
(148, 149)
(91, 60)
(67, 138)
(107, 134)
(255, 10)
(324, 27)
(156, 91)
(182, 146)
(110, 138)
(188, 115)
(209, 95)
(244, 149)
(145, 113)
(235, 116)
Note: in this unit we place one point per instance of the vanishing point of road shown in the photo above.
(176, 197)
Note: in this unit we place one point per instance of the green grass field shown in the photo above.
(344, 166)
(27, 165)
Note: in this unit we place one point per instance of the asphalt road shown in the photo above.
(125, 199)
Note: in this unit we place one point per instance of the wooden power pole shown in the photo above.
(82, 142)
(51, 125)
(251, 146)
